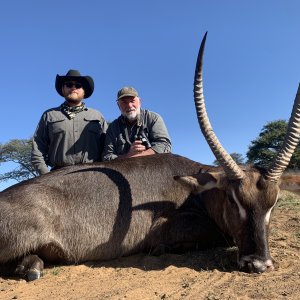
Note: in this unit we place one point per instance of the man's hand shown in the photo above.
(137, 149)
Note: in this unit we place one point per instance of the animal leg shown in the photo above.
(31, 267)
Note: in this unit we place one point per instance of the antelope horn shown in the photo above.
(232, 170)
(291, 141)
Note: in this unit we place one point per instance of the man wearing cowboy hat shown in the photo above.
(137, 132)
(71, 133)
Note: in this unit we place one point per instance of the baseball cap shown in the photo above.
(127, 91)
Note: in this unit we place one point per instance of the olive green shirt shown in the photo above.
(59, 141)
(116, 142)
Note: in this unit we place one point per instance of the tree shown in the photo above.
(237, 157)
(265, 147)
(18, 152)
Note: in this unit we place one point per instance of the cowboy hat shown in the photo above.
(74, 75)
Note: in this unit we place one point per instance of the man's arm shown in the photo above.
(40, 146)
(159, 136)
(109, 151)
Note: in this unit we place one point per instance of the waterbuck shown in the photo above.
(106, 210)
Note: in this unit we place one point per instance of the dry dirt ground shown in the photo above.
(195, 275)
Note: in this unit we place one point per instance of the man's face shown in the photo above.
(73, 92)
(130, 107)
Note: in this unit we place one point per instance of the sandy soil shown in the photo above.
(207, 275)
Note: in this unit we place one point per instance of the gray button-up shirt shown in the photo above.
(154, 128)
(59, 141)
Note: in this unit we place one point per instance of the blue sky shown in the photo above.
(251, 63)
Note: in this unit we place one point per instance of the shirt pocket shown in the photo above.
(57, 126)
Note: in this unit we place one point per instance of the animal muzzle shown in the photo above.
(255, 264)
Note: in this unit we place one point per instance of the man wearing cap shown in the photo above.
(137, 132)
(71, 133)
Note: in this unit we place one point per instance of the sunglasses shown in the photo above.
(71, 84)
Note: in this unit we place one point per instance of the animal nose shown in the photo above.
(252, 264)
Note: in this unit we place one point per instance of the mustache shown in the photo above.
(131, 114)
(131, 109)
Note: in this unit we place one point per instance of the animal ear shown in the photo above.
(290, 182)
(200, 182)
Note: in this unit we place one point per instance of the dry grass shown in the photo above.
(289, 200)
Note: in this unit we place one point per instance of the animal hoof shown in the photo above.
(33, 274)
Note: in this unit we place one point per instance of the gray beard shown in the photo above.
(131, 118)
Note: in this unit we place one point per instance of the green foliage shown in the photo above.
(264, 149)
(237, 157)
(18, 152)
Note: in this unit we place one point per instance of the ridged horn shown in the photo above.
(291, 141)
(232, 170)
